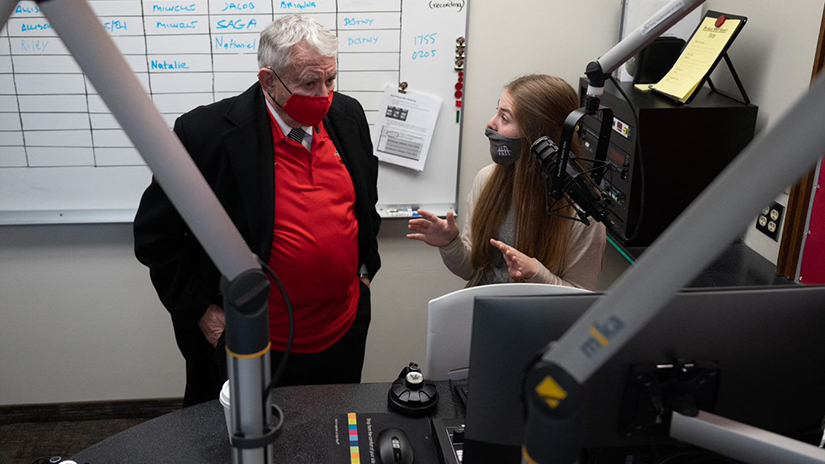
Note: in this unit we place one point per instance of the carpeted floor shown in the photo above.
(30, 432)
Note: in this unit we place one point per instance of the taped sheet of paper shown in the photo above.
(405, 126)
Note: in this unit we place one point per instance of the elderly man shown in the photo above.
(292, 163)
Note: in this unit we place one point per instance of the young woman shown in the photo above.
(508, 236)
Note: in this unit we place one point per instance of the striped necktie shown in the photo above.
(297, 134)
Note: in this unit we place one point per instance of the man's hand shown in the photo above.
(213, 323)
(433, 230)
(519, 265)
(366, 281)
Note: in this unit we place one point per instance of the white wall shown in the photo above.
(80, 321)
(774, 56)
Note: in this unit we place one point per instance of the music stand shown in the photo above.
(723, 54)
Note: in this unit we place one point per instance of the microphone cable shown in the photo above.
(282, 364)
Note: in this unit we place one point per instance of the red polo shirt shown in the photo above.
(314, 244)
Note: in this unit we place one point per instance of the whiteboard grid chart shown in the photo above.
(185, 53)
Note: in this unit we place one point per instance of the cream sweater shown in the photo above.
(582, 264)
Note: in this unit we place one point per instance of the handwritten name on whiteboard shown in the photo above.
(298, 5)
(35, 27)
(191, 8)
(349, 22)
(236, 24)
(168, 65)
(232, 6)
(162, 25)
(26, 9)
(33, 45)
(362, 40)
(230, 43)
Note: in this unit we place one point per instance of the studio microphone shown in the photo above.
(578, 186)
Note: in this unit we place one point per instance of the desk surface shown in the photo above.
(737, 266)
(198, 434)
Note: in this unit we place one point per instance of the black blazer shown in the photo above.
(231, 143)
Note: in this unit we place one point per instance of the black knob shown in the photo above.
(414, 380)
(458, 435)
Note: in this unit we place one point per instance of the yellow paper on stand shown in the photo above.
(696, 60)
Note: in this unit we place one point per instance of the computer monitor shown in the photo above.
(768, 345)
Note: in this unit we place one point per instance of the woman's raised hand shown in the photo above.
(433, 230)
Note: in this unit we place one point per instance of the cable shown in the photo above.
(579, 161)
(282, 365)
(640, 159)
(550, 204)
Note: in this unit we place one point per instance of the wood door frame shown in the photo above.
(790, 248)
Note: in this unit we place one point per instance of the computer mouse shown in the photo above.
(394, 447)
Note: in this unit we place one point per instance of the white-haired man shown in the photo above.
(292, 163)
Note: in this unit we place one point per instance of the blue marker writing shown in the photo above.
(231, 44)
(299, 5)
(362, 40)
(115, 25)
(173, 65)
(358, 22)
(181, 25)
(232, 6)
(236, 24)
(36, 27)
(173, 8)
(33, 45)
(26, 9)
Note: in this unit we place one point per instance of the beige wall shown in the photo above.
(774, 56)
(500, 47)
(79, 320)
(96, 329)
(528, 36)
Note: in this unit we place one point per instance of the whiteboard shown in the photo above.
(65, 159)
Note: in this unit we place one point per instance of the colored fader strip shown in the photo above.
(354, 454)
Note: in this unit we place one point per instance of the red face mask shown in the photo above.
(307, 110)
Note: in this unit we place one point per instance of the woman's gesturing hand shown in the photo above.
(433, 230)
(519, 265)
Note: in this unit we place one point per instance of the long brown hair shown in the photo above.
(540, 105)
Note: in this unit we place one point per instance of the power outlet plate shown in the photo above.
(770, 220)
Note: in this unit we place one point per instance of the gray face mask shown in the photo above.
(504, 150)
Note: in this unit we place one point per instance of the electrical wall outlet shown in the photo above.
(770, 219)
